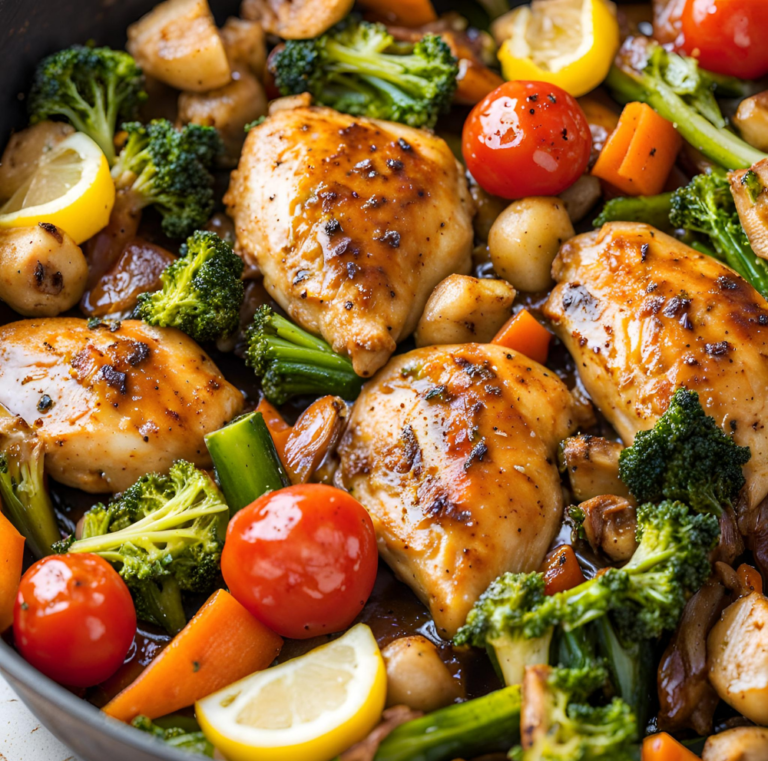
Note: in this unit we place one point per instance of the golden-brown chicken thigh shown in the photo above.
(643, 314)
(452, 451)
(109, 405)
(353, 222)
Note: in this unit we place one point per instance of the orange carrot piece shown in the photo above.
(640, 153)
(278, 428)
(524, 333)
(664, 747)
(561, 571)
(750, 578)
(11, 558)
(221, 644)
(402, 12)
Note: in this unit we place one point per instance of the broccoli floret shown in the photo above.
(496, 622)
(164, 535)
(685, 456)
(190, 741)
(23, 494)
(358, 68)
(706, 206)
(678, 90)
(202, 291)
(169, 169)
(292, 362)
(563, 727)
(92, 88)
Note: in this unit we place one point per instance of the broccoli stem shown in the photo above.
(245, 460)
(464, 730)
(162, 603)
(718, 145)
(653, 210)
(740, 257)
(510, 655)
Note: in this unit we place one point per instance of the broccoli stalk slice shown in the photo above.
(245, 460)
(292, 362)
(488, 724)
(653, 210)
(201, 292)
(23, 493)
(510, 655)
(650, 86)
(164, 535)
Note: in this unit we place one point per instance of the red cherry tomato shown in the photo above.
(526, 139)
(302, 560)
(727, 36)
(74, 619)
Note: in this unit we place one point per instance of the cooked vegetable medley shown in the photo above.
(401, 394)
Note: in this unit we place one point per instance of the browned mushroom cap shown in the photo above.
(296, 19)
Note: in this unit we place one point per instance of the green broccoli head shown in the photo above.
(201, 291)
(686, 457)
(92, 88)
(358, 68)
(292, 362)
(170, 170)
(165, 536)
(564, 727)
(188, 739)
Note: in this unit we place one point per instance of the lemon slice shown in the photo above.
(569, 43)
(71, 188)
(308, 709)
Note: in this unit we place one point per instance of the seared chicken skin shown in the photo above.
(108, 405)
(642, 314)
(353, 222)
(452, 450)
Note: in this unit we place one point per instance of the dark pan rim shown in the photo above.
(12, 664)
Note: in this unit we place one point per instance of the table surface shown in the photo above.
(22, 736)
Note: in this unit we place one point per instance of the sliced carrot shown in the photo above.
(750, 578)
(561, 570)
(640, 153)
(221, 644)
(278, 428)
(524, 333)
(404, 12)
(664, 747)
(11, 559)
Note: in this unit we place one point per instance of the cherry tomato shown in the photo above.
(74, 619)
(302, 560)
(727, 36)
(526, 139)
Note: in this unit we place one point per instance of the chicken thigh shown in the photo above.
(111, 405)
(353, 222)
(642, 314)
(452, 450)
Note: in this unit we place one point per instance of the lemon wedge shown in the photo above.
(308, 709)
(71, 188)
(568, 43)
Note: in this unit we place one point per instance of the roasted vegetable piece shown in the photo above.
(11, 563)
(678, 90)
(357, 68)
(176, 737)
(292, 362)
(559, 725)
(164, 534)
(92, 88)
(202, 291)
(23, 493)
(685, 456)
(169, 169)
(463, 730)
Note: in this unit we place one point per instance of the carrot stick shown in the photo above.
(663, 747)
(221, 644)
(402, 12)
(640, 153)
(524, 333)
(11, 558)
(561, 570)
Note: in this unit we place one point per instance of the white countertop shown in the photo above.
(22, 737)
